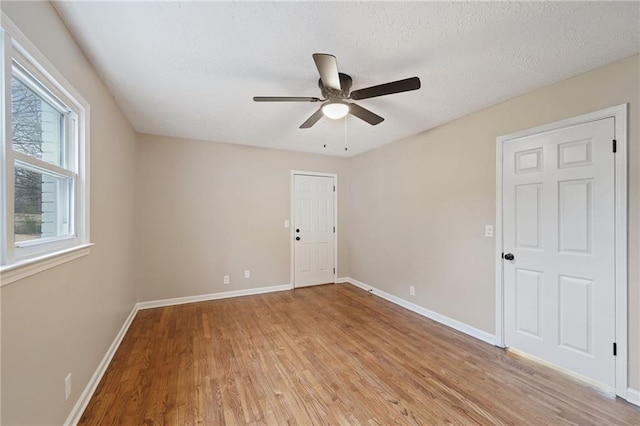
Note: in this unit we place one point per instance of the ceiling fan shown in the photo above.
(336, 89)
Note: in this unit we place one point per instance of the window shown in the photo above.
(44, 203)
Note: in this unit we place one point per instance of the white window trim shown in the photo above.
(17, 271)
(14, 44)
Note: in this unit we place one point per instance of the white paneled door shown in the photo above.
(314, 230)
(559, 245)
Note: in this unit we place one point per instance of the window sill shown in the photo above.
(17, 271)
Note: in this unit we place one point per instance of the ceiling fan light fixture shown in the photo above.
(335, 110)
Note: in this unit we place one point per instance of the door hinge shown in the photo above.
(615, 145)
(334, 229)
(615, 349)
(503, 255)
(334, 188)
(334, 270)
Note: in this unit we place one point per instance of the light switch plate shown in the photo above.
(488, 231)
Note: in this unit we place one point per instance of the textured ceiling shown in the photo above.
(190, 69)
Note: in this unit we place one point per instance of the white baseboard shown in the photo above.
(449, 322)
(85, 397)
(212, 296)
(633, 396)
(342, 280)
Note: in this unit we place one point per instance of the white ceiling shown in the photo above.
(190, 69)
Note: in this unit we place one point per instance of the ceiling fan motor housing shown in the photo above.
(345, 85)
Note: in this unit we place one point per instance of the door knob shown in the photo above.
(297, 230)
(509, 256)
(297, 238)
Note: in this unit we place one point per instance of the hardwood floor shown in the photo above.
(331, 354)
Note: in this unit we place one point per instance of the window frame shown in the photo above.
(21, 259)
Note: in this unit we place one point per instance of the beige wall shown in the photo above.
(63, 320)
(418, 206)
(205, 210)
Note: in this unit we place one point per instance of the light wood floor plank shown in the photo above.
(331, 354)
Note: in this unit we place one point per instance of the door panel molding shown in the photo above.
(576, 155)
(292, 236)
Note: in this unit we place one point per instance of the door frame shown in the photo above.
(293, 218)
(619, 114)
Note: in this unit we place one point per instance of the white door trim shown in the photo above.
(619, 113)
(335, 221)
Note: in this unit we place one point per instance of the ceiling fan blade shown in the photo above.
(285, 99)
(328, 70)
(313, 119)
(365, 114)
(405, 85)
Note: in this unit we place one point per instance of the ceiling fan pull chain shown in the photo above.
(346, 117)
(324, 131)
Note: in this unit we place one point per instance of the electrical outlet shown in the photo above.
(286, 223)
(226, 279)
(67, 386)
(412, 290)
(247, 273)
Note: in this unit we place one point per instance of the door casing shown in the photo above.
(619, 113)
(292, 220)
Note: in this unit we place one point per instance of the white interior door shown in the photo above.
(314, 230)
(559, 225)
